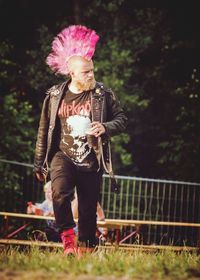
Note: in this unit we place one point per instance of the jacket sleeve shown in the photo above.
(41, 143)
(116, 119)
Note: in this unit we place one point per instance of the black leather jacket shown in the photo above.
(112, 117)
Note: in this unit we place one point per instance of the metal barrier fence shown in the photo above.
(139, 199)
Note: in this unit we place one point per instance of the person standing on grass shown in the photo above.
(78, 117)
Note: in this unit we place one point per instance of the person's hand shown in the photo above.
(40, 176)
(49, 214)
(97, 129)
(29, 209)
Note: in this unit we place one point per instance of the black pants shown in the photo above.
(64, 177)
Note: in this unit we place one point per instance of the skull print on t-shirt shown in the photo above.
(74, 137)
(75, 117)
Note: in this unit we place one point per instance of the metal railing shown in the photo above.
(139, 199)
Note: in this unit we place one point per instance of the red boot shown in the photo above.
(69, 244)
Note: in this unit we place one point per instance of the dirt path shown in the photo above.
(41, 275)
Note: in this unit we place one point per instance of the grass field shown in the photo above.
(35, 263)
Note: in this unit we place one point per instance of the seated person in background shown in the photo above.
(46, 209)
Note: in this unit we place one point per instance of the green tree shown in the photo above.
(181, 147)
(17, 133)
(147, 63)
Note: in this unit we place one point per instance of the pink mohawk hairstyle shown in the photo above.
(75, 40)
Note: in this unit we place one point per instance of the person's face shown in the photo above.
(48, 194)
(83, 74)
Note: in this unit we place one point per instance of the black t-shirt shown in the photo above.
(75, 117)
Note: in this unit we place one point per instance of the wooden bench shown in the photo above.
(8, 216)
(117, 224)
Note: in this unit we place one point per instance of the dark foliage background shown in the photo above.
(149, 56)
